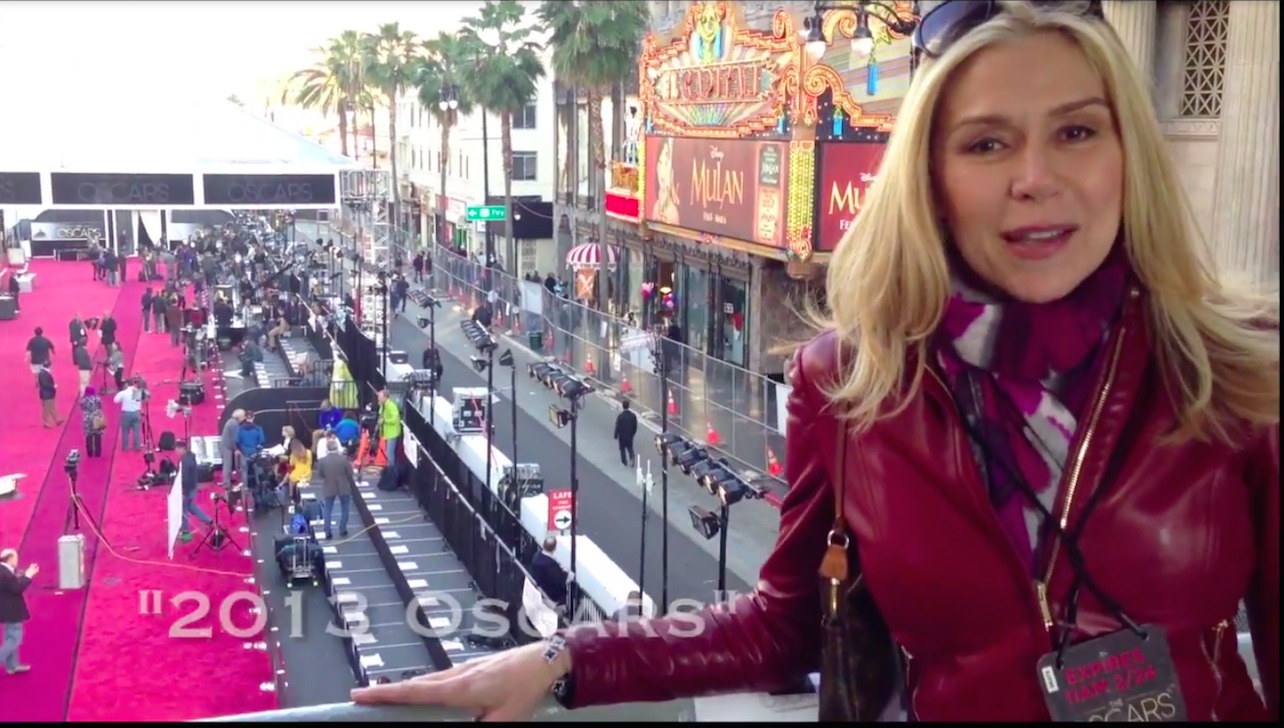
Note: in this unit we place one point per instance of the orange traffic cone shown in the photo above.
(589, 369)
(773, 465)
(672, 405)
(711, 436)
(625, 387)
(381, 457)
(566, 358)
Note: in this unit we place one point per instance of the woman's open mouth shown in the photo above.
(1038, 243)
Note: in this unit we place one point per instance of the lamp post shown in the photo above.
(863, 41)
(449, 105)
(662, 368)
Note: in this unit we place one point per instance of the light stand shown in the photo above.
(490, 415)
(506, 360)
(485, 344)
(383, 327)
(217, 537)
(729, 488)
(661, 368)
(75, 505)
(646, 513)
(431, 304)
(573, 390)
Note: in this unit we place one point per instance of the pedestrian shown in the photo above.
(626, 429)
(93, 422)
(47, 389)
(13, 608)
(130, 400)
(337, 482)
(188, 471)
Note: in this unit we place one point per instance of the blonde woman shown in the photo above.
(1048, 430)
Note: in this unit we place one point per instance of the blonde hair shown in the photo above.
(889, 279)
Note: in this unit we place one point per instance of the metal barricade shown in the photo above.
(711, 401)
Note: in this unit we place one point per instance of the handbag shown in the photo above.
(97, 422)
(859, 664)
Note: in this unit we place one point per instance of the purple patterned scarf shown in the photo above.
(1020, 374)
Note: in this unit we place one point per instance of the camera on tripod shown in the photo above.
(72, 462)
(369, 419)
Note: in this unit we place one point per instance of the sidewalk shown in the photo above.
(754, 524)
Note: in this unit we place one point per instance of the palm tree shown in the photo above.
(596, 47)
(502, 80)
(440, 80)
(391, 62)
(333, 84)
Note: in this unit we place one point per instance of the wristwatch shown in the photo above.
(563, 690)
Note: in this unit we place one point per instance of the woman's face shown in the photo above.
(1028, 167)
(664, 164)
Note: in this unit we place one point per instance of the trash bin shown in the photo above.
(535, 339)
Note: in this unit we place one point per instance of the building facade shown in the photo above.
(748, 158)
(441, 211)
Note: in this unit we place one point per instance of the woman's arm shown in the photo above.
(761, 641)
(1263, 600)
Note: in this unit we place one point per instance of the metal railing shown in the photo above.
(711, 401)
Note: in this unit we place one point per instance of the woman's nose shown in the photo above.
(1034, 176)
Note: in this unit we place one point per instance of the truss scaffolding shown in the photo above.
(366, 197)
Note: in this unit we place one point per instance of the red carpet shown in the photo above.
(52, 636)
(61, 290)
(170, 676)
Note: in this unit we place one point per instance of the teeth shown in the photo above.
(1044, 235)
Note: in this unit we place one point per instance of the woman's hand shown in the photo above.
(508, 686)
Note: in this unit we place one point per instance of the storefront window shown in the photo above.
(634, 277)
(664, 276)
(734, 316)
(695, 301)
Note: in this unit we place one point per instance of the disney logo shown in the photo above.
(716, 153)
(866, 177)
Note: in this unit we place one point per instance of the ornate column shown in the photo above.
(1245, 230)
(1134, 21)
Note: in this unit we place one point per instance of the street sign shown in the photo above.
(559, 510)
(484, 213)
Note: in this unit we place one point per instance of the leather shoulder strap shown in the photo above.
(834, 565)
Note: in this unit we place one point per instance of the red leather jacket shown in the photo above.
(1183, 535)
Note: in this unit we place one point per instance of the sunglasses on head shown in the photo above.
(944, 24)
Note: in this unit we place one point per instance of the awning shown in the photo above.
(589, 257)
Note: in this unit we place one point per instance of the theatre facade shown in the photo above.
(752, 159)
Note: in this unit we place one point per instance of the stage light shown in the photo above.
(665, 441)
(685, 460)
(479, 363)
(705, 523)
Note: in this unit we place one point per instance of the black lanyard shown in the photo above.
(1069, 539)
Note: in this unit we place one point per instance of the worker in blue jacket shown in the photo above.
(249, 440)
(329, 416)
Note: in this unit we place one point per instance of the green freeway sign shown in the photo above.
(485, 213)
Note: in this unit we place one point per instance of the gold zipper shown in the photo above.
(1071, 479)
(911, 690)
(1213, 656)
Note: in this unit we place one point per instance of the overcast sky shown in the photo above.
(212, 49)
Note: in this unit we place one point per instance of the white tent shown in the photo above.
(218, 145)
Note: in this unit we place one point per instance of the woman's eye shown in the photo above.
(984, 146)
(1078, 133)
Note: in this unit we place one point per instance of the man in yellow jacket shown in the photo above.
(390, 431)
